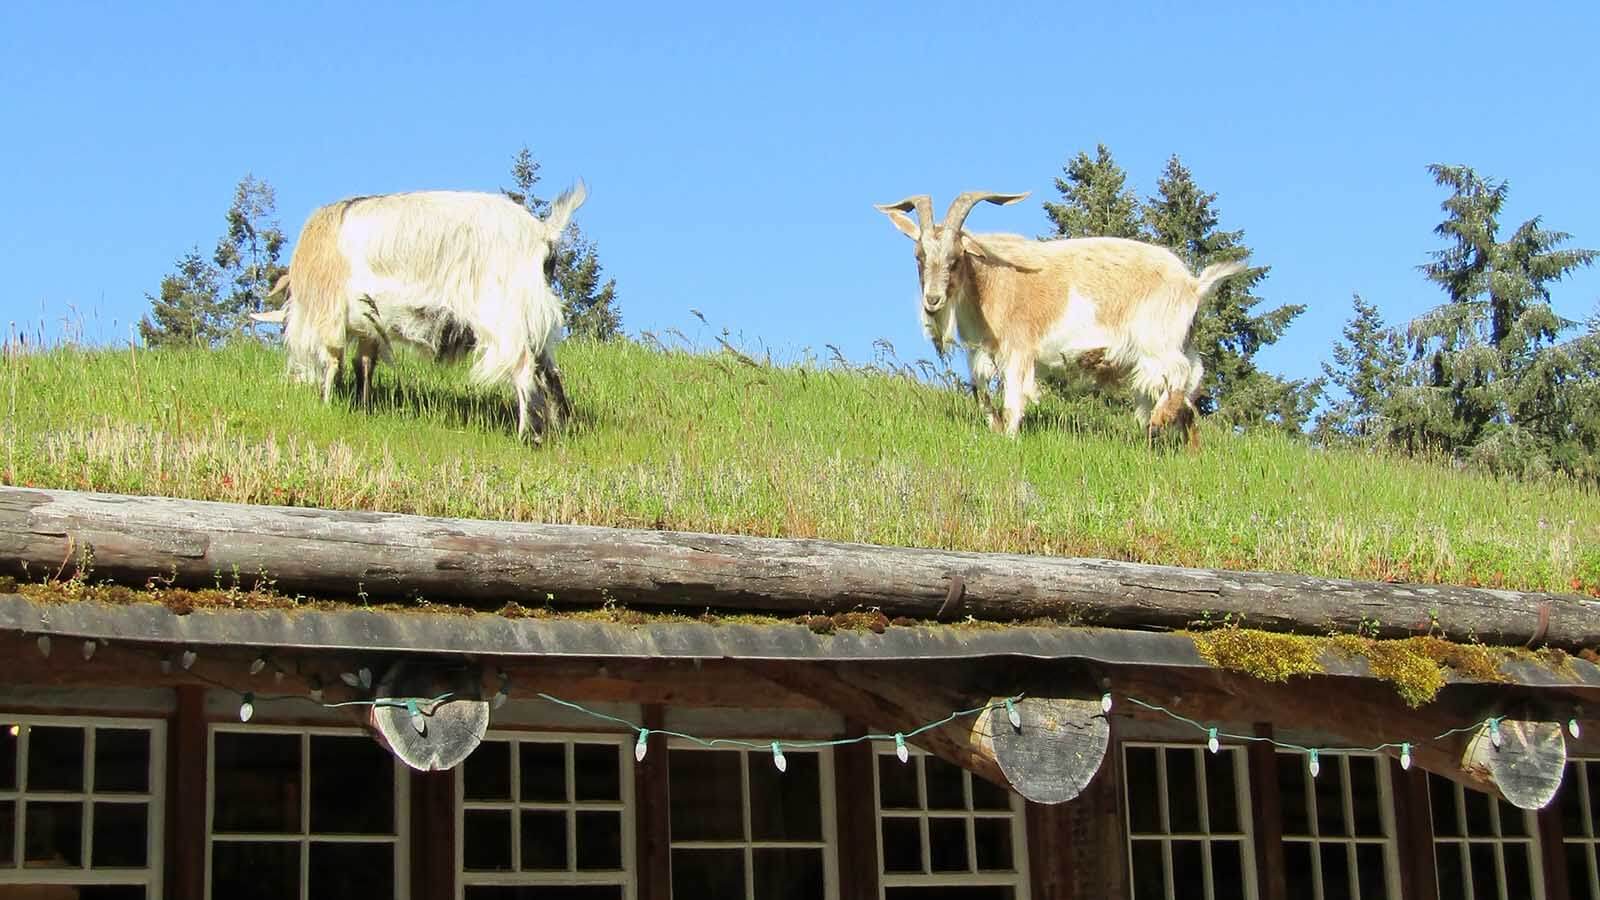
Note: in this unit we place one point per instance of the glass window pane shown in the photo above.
(1292, 794)
(1485, 880)
(707, 797)
(1449, 865)
(8, 756)
(1227, 870)
(54, 834)
(108, 892)
(597, 771)
(350, 871)
(1569, 799)
(121, 835)
(486, 839)
(544, 840)
(1477, 805)
(897, 783)
(55, 758)
(788, 874)
(8, 832)
(1513, 821)
(1335, 869)
(599, 840)
(1580, 857)
(1442, 801)
(543, 892)
(1372, 871)
(1299, 872)
(1366, 798)
(786, 806)
(352, 786)
(486, 772)
(1183, 791)
(544, 772)
(1149, 871)
(1519, 878)
(708, 873)
(246, 871)
(1144, 803)
(1222, 792)
(947, 845)
(121, 760)
(992, 839)
(945, 782)
(1329, 787)
(902, 845)
(257, 783)
(992, 892)
(988, 795)
(1188, 870)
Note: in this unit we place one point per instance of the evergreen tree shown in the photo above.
(248, 252)
(589, 306)
(1493, 383)
(1096, 201)
(1227, 331)
(189, 308)
(1367, 365)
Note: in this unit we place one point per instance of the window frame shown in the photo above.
(1019, 879)
(150, 876)
(627, 877)
(1498, 841)
(1389, 840)
(829, 844)
(401, 839)
(1246, 836)
(1591, 838)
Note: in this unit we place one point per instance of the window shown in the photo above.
(1578, 804)
(80, 805)
(945, 834)
(742, 829)
(307, 813)
(1338, 828)
(546, 817)
(1484, 848)
(1188, 822)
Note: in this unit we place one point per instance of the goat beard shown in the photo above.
(937, 328)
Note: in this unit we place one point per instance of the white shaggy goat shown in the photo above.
(1117, 309)
(443, 271)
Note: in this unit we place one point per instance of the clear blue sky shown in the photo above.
(734, 151)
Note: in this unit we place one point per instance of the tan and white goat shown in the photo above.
(443, 271)
(1119, 310)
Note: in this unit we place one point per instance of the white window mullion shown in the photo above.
(305, 816)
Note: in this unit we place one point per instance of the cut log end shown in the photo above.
(424, 732)
(1527, 764)
(1055, 753)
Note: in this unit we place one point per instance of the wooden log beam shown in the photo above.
(338, 553)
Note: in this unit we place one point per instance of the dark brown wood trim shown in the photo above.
(1052, 874)
(1266, 810)
(433, 835)
(1552, 847)
(187, 754)
(653, 814)
(856, 810)
(1413, 824)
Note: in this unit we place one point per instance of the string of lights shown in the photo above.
(420, 708)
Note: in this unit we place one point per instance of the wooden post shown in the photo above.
(855, 805)
(1413, 825)
(433, 835)
(1052, 874)
(186, 796)
(653, 814)
(1553, 850)
(1266, 808)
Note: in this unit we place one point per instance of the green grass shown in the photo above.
(708, 442)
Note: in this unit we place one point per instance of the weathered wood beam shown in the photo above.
(338, 553)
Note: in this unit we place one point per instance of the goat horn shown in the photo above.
(922, 203)
(962, 205)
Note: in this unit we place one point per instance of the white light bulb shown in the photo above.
(247, 708)
(900, 750)
(187, 660)
(1316, 767)
(350, 678)
(14, 730)
(417, 720)
(257, 665)
(365, 675)
(44, 645)
(1211, 741)
(1494, 733)
(88, 650)
(1405, 756)
(777, 758)
(499, 698)
(166, 665)
(1572, 728)
(1013, 715)
(641, 747)
(1105, 702)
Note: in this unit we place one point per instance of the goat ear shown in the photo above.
(903, 223)
(993, 252)
(564, 206)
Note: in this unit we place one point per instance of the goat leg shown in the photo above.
(561, 408)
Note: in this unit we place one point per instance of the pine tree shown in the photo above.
(248, 252)
(188, 310)
(588, 305)
(1494, 384)
(1096, 201)
(1367, 365)
(1227, 331)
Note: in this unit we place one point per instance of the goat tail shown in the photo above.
(1215, 273)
